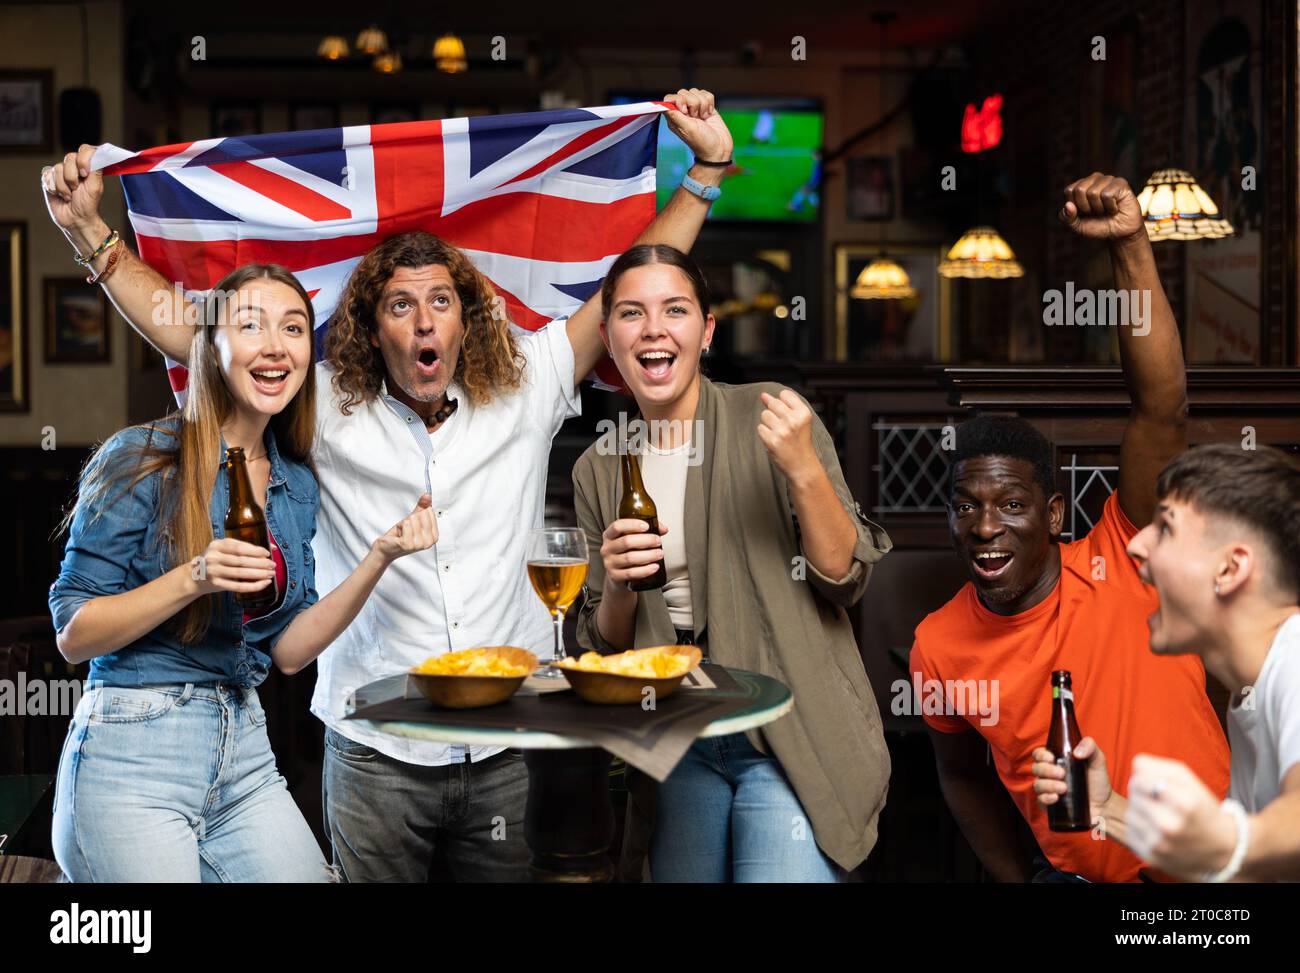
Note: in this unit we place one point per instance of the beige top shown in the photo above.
(664, 473)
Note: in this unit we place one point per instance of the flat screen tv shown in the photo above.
(777, 175)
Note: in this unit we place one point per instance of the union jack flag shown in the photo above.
(541, 202)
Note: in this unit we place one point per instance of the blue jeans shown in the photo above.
(177, 784)
(727, 813)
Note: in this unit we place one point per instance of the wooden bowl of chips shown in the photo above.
(622, 678)
(473, 677)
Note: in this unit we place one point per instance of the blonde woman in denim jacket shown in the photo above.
(167, 773)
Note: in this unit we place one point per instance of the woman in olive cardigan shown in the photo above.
(775, 550)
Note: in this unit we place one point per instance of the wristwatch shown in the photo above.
(697, 188)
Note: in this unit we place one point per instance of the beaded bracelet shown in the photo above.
(109, 240)
(109, 267)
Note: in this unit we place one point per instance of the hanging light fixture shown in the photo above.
(332, 48)
(1174, 207)
(372, 40)
(449, 54)
(882, 279)
(981, 252)
(389, 62)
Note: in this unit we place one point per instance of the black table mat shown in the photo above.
(651, 740)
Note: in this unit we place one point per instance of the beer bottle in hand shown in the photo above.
(1071, 811)
(246, 522)
(636, 504)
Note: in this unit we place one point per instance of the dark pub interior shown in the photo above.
(842, 442)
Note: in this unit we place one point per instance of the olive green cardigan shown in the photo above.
(758, 604)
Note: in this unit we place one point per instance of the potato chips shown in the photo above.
(641, 663)
(469, 662)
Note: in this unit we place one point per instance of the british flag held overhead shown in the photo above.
(541, 202)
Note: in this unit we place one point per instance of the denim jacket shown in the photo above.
(121, 549)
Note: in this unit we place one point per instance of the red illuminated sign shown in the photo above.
(982, 129)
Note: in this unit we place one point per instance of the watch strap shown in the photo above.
(697, 188)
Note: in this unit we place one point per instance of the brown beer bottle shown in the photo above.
(636, 504)
(1071, 811)
(246, 522)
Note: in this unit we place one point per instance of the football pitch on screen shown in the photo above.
(775, 166)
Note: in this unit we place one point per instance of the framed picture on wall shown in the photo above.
(76, 321)
(309, 116)
(911, 329)
(27, 110)
(235, 118)
(13, 317)
(869, 188)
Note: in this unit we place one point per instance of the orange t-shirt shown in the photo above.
(1094, 623)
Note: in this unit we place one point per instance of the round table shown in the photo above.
(569, 821)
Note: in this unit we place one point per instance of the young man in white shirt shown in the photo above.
(1223, 552)
(424, 387)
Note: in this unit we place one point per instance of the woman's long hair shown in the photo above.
(187, 456)
(489, 363)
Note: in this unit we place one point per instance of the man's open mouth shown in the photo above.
(427, 363)
(991, 564)
(270, 380)
(657, 365)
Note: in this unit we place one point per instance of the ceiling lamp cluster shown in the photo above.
(448, 51)
(1174, 207)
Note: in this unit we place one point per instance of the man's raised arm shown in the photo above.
(1103, 207)
(143, 296)
(696, 121)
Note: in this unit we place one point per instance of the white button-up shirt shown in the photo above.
(485, 468)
